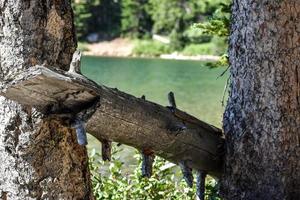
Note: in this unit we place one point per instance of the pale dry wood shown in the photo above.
(120, 117)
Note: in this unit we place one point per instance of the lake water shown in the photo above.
(197, 88)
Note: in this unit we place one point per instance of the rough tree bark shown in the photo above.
(40, 159)
(262, 118)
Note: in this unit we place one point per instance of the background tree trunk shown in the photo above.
(39, 158)
(262, 118)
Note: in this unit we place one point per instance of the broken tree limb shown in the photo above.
(147, 163)
(106, 150)
(147, 158)
(187, 173)
(121, 117)
(200, 185)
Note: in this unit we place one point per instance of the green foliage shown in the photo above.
(114, 184)
(217, 46)
(218, 24)
(174, 18)
(81, 16)
(194, 36)
(198, 49)
(166, 14)
(102, 16)
(106, 18)
(150, 48)
(136, 21)
(142, 18)
(222, 62)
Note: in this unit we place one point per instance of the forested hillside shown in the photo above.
(101, 20)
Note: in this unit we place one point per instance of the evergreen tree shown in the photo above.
(101, 16)
(173, 17)
(136, 21)
(106, 18)
(81, 17)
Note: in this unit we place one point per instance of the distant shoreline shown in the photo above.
(122, 47)
(175, 56)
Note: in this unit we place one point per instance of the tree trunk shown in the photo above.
(262, 118)
(40, 159)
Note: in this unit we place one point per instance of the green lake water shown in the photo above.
(197, 88)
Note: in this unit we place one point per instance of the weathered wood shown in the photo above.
(121, 117)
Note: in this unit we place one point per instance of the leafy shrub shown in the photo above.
(193, 35)
(113, 184)
(136, 21)
(198, 49)
(81, 17)
(150, 48)
(219, 24)
(96, 16)
(216, 47)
